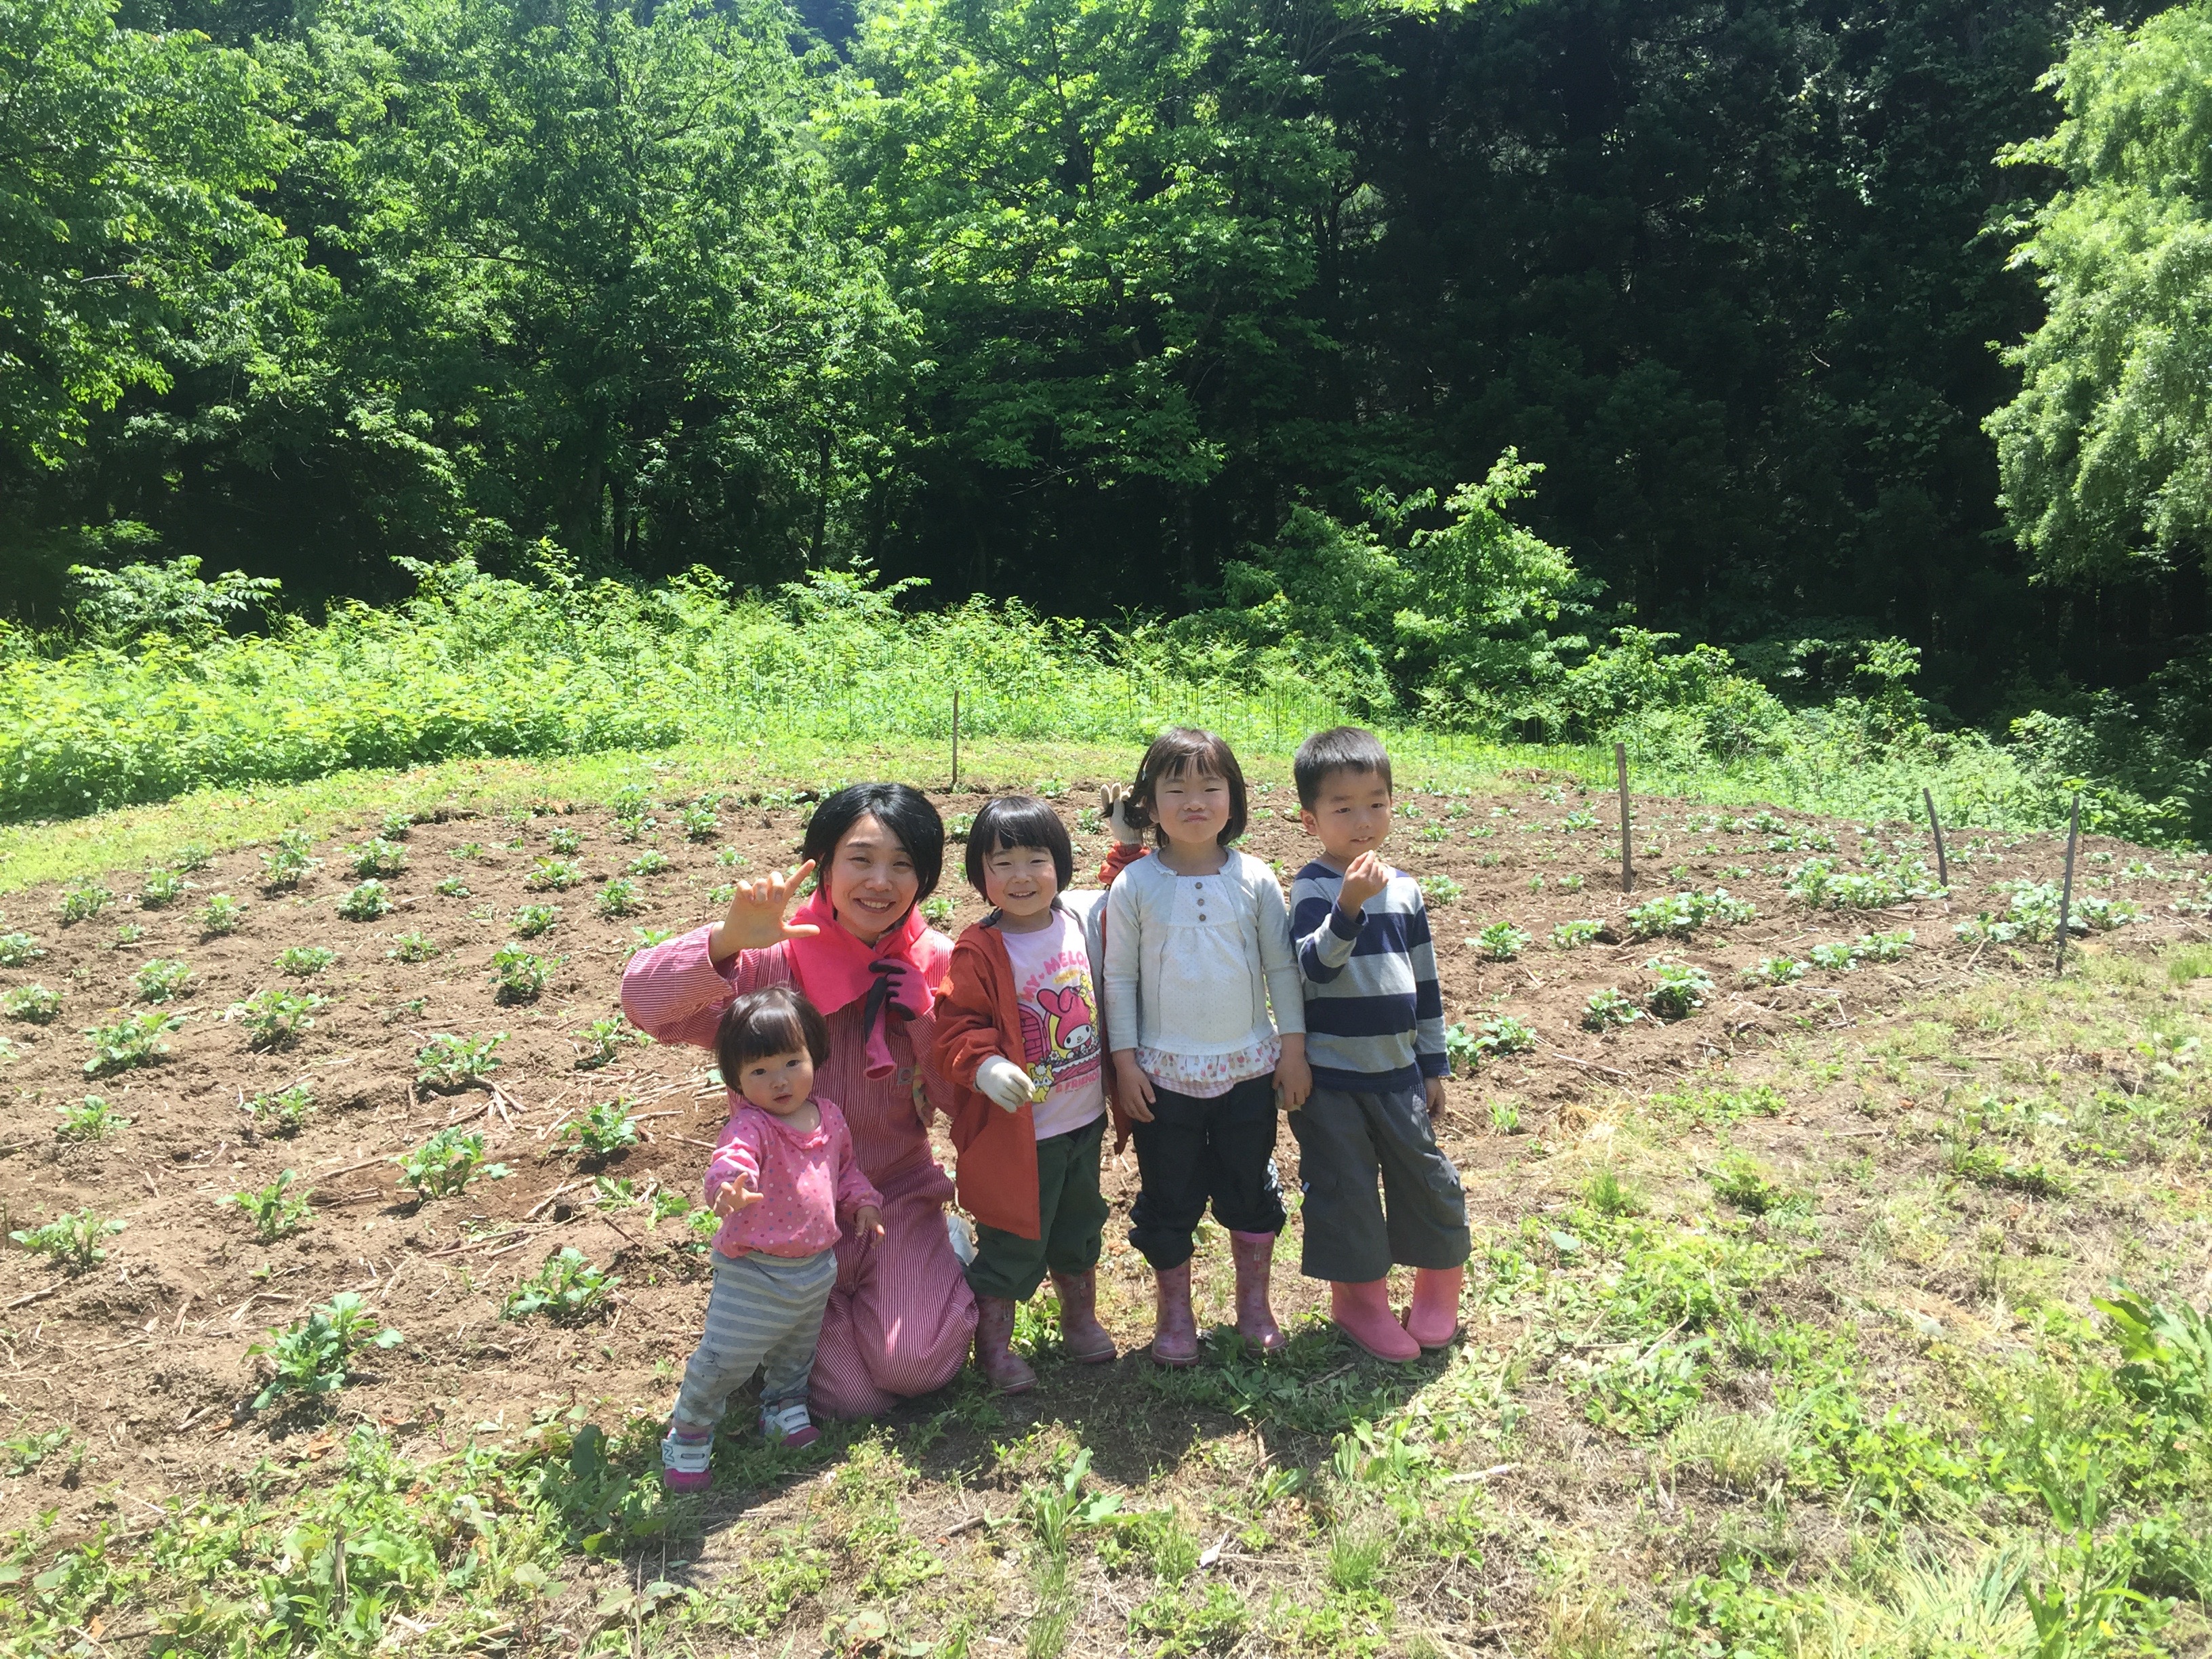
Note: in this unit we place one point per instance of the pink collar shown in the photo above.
(832, 966)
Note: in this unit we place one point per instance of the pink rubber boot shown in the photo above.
(1254, 1255)
(1082, 1338)
(1362, 1312)
(1007, 1372)
(1175, 1331)
(1432, 1320)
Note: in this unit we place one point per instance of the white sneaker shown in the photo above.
(685, 1464)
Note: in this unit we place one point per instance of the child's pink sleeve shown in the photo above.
(675, 992)
(737, 1153)
(855, 1190)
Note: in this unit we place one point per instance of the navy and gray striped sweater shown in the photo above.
(1375, 1017)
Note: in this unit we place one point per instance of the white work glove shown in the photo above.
(1003, 1082)
(1114, 810)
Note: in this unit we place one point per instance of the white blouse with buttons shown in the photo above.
(1192, 964)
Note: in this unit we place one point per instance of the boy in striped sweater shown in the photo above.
(1375, 1039)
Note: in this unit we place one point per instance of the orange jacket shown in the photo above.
(979, 1015)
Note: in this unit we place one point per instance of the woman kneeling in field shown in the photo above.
(901, 1316)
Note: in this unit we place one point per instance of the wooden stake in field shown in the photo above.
(1935, 827)
(2066, 891)
(1627, 864)
(955, 789)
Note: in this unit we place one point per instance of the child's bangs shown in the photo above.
(1012, 821)
(1199, 754)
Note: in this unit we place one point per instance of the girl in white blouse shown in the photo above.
(1207, 1021)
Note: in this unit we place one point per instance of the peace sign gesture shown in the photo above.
(755, 918)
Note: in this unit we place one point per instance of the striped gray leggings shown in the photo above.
(765, 1311)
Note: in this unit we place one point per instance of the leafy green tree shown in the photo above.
(2107, 453)
(1103, 212)
(130, 239)
(593, 260)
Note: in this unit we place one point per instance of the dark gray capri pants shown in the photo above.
(1345, 1140)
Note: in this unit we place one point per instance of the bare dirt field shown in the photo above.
(145, 1357)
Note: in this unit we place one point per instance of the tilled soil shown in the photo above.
(146, 1356)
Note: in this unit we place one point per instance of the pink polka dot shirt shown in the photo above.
(807, 1181)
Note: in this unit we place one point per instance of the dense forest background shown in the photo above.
(1120, 307)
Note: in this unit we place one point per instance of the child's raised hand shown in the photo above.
(754, 919)
(735, 1194)
(868, 1223)
(1364, 877)
(1113, 807)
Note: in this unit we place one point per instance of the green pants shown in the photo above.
(1071, 1217)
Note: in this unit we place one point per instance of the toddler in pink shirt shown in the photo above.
(782, 1177)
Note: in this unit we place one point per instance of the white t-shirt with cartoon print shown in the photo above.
(1060, 1024)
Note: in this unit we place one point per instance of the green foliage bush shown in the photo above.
(567, 1289)
(315, 1358)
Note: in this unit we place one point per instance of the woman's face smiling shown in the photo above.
(873, 884)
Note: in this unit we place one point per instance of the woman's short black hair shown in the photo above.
(1177, 750)
(774, 1021)
(901, 808)
(1019, 821)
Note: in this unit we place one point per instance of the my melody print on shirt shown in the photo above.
(1060, 1024)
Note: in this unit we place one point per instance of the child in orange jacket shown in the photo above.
(1018, 1037)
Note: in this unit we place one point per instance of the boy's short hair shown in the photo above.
(1340, 749)
(1009, 821)
(1175, 752)
(774, 1021)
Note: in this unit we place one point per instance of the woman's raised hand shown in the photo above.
(754, 919)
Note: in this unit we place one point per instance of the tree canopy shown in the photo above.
(1167, 308)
